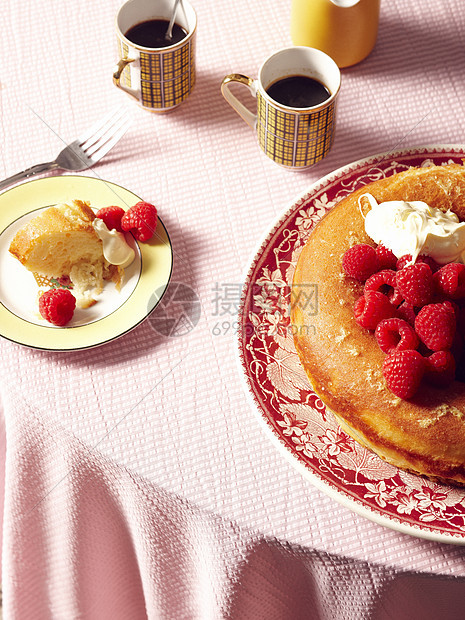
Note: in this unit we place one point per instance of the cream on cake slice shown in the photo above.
(61, 241)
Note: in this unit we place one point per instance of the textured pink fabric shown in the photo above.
(138, 483)
(97, 541)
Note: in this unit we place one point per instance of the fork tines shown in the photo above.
(104, 134)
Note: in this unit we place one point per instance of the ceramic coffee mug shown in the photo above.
(159, 76)
(296, 92)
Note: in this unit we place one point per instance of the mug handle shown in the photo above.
(122, 64)
(245, 113)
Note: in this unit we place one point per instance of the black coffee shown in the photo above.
(151, 33)
(298, 91)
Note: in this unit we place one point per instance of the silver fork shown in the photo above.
(85, 151)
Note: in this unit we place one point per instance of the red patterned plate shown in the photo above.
(294, 416)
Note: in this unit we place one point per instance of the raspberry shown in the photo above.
(435, 324)
(415, 284)
(429, 260)
(450, 280)
(111, 216)
(384, 281)
(403, 371)
(422, 258)
(360, 261)
(141, 220)
(57, 306)
(386, 258)
(396, 334)
(407, 312)
(372, 308)
(403, 261)
(440, 368)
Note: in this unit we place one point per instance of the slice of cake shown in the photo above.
(61, 242)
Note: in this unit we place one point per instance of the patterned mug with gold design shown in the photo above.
(296, 92)
(157, 71)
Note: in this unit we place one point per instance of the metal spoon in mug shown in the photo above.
(169, 32)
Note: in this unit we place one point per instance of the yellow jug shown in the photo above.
(345, 29)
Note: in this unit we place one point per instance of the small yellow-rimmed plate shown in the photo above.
(116, 312)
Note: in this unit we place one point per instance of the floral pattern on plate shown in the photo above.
(294, 415)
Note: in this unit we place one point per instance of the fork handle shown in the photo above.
(29, 172)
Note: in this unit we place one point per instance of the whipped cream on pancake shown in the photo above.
(115, 249)
(416, 228)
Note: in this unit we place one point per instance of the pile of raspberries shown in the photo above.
(416, 311)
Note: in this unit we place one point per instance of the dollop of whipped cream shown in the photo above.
(115, 249)
(416, 228)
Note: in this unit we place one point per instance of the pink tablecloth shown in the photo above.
(138, 483)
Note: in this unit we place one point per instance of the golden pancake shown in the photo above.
(425, 434)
